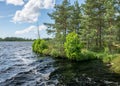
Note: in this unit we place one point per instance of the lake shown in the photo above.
(19, 66)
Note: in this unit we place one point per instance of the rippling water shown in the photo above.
(19, 66)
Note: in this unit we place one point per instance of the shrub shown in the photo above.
(87, 55)
(108, 58)
(39, 45)
(35, 46)
(54, 53)
(72, 46)
(42, 46)
(46, 52)
(116, 64)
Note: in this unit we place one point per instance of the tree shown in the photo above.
(61, 22)
(75, 19)
(117, 15)
(110, 23)
(97, 19)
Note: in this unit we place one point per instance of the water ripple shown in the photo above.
(19, 66)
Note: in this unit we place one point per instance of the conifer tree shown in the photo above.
(61, 20)
(76, 16)
(94, 15)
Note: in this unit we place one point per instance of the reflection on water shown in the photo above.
(19, 66)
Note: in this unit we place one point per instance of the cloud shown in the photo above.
(15, 2)
(31, 10)
(30, 29)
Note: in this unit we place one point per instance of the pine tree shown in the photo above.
(110, 23)
(117, 15)
(76, 16)
(61, 20)
(94, 15)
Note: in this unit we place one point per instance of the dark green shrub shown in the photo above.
(87, 55)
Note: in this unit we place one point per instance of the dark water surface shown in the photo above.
(19, 66)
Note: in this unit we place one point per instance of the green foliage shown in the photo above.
(107, 58)
(42, 46)
(35, 46)
(46, 52)
(87, 55)
(97, 49)
(116, 64)
(54, 53)
(61, 16)
(39, 45)
(73, 46)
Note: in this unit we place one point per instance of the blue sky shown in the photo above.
(18, 17)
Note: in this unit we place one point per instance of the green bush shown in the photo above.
(54, 53)
(87, 55)
(116, 64)
(35, 46)
(42, 46)
(73, 46)
(108, 58)
(39, 45)
(46, 52)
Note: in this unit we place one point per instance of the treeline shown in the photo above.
(15, 39)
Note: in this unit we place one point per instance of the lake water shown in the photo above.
(19, 66)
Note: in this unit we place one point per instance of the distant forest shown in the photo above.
(15, 39)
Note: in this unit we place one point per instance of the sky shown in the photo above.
(20, 18)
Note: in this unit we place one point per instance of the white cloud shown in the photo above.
(30, 29)
(15, 2)
(31, 10)
(48, 4)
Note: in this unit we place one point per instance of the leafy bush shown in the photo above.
(35, 46)
(72, 46)
(54, 53)
(107, 58)
(42, 46)
(87, 55)
(46, 52)
(39, 45)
